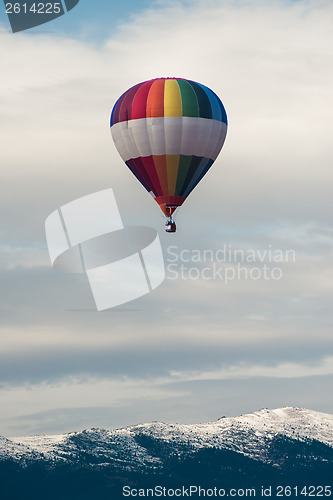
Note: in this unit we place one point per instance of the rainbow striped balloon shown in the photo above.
(169, 131)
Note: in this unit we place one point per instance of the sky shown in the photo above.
(200, 346)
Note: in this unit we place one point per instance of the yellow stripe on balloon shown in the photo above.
(172, 162)
(172, 99)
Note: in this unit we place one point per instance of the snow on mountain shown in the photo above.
(44, 445)
(249, 435)
(15, 450)
(118, 446)
(296, 423)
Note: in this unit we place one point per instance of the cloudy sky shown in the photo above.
(195, 348)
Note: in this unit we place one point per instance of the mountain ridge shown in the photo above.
(281, 446)
(251, 429)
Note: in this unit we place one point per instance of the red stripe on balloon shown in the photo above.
(155, 101)
(139, 104)
(149, 165)
(138, 169)
(126, 104)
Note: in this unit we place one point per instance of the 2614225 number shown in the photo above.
(35, 8)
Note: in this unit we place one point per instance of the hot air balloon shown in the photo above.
(169, 132)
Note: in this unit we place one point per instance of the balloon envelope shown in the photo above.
(169, 132)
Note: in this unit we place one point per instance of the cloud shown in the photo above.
(187, 402)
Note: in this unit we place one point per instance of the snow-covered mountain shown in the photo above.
(248, 434)
(286, 444)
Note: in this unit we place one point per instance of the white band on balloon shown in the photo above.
(88, 236)
(184, 135)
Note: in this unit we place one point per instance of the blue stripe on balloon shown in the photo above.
(224, 113)
(213, 99)
(113, 111)
(218, 110)
(202, 169)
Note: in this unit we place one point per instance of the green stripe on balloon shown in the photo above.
(189, 99)
(205, 109)
(184, 165)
